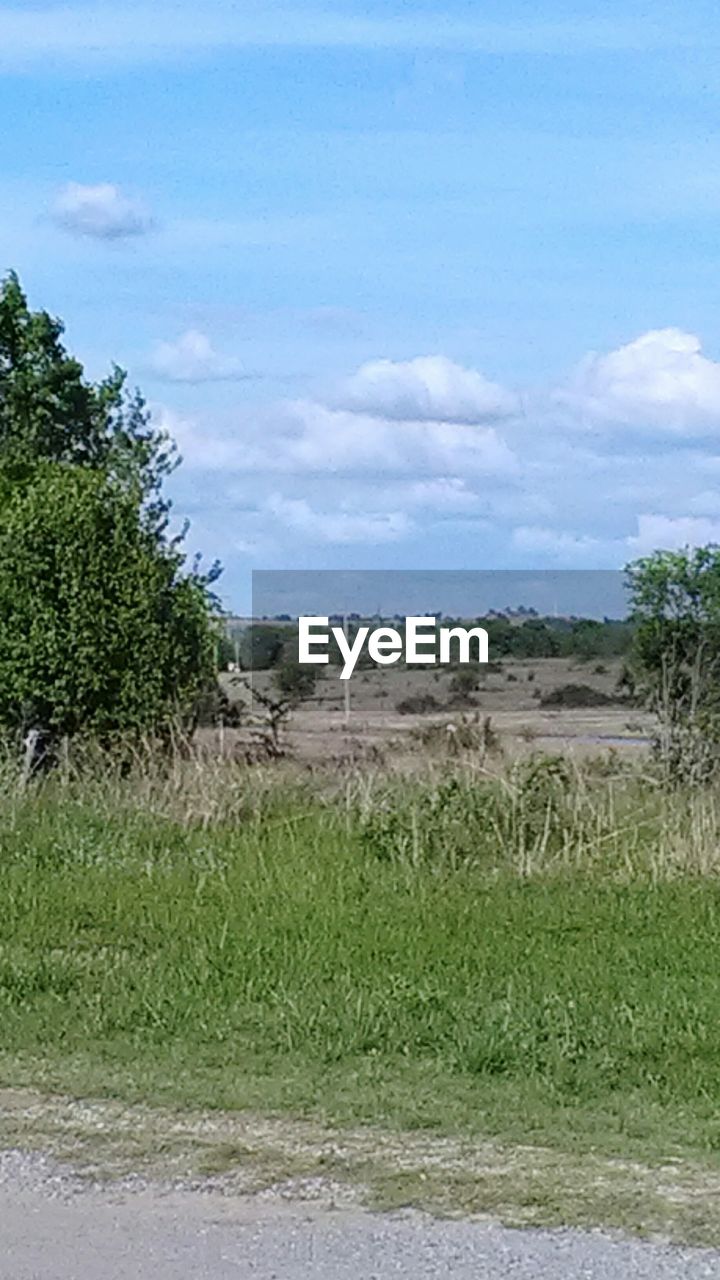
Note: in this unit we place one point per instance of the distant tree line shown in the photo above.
(269, 644)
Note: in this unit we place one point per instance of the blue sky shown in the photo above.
(428, 286)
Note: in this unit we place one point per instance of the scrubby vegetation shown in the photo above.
(576, 695)
(674, 663)
(418, 704)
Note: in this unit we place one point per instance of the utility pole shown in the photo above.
(346, 682)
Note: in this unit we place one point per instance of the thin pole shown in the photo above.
(346, 682)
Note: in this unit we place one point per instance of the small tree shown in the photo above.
(100, 629)
(674, 664)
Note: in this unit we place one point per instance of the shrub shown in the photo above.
(674, 665)
(101, 631)
(576, 695)
(418, 704)
(458, 823)
(464, 681)
(262, 645)
(455, 737)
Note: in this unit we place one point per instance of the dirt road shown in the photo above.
(54, 1227)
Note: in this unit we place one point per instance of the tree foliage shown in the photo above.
(100, 631)
(675, 660)
(262, 645)
(50, 412)
(101, 628)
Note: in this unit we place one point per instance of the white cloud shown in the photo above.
(192, 358)
(101, 212)
(426, 389)
(201, 450)
(660, 382)
(302, 437)
(322, 439)
(670, 533)
(340, 526)
(303, 473)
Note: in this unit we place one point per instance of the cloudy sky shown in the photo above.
(413, 286)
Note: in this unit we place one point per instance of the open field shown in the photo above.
(511, 696)
(523, 957)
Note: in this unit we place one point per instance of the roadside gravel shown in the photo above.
(54, 1225)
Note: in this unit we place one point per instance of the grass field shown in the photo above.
(531, 958)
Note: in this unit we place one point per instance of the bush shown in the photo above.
(418, 704)
(100, 630)
(262, 645)
(576, 695)
(459, 823)
(674, 665)
(468, 734)
(464, 681)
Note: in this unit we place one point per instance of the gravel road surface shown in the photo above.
(53, 1227)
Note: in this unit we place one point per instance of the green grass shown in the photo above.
(289, 955)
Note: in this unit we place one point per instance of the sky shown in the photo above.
(429, 286)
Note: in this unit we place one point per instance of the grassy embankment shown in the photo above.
(534, 958)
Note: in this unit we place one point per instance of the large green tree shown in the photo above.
(49, 411)
(102, 629)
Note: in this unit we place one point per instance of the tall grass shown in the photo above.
(551, 930)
